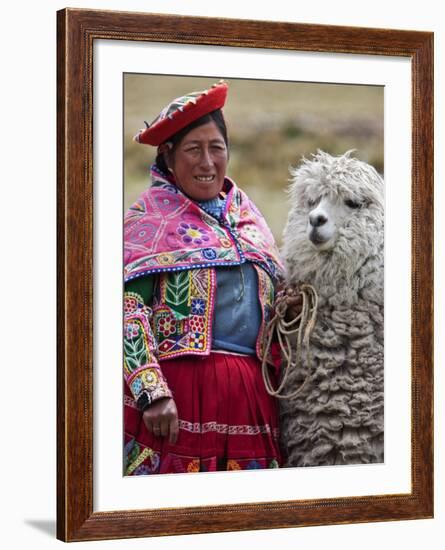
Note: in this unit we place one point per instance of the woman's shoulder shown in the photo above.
(153, 201)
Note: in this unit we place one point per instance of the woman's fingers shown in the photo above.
(149, 425)
(174, 430)
(164, 426)
(161, 419)
(294, 306)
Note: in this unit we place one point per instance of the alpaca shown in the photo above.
(334, 240)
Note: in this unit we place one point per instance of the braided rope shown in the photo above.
(302, 326)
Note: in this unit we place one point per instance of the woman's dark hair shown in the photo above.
(214, 116)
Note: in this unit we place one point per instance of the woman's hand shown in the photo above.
(161, 419)
(294, 302)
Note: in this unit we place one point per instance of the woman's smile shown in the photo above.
(205, 179)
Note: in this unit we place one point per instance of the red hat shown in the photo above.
(181, 112)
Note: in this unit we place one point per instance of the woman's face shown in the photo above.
(199, 162)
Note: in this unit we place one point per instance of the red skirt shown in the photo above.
(227, 420)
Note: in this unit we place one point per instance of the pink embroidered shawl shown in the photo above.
(164, 230)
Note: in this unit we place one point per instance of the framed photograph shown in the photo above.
(295, 92)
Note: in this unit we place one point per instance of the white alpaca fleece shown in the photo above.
(334, 240)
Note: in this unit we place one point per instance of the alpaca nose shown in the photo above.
(317, 220)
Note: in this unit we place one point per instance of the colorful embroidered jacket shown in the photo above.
(167, 233)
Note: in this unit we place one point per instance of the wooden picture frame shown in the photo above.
(77, 31)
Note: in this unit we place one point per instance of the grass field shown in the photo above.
(271, 126)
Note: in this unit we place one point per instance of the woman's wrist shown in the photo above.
(145, 400)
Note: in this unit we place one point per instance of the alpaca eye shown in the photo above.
(312, 202)
(352, 204)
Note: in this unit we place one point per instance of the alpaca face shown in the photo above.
(326, 217)
(335, 219)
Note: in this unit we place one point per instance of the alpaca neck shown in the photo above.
(336, 278)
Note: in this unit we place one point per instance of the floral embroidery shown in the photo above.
(136, 347)
(196, 340)
(143, 233)
(170, 224)
(167, 202)
(141, 369)
(191, 233)
(197, 323)
(185, 297)
(130, 304)
(226, 243)
(151, 382)
(198, 306)
(181, 322)
(167, 325)
(209, 253)
(166, 259)
(142, 460)
(150, 378)
(176, 294)
(131, 330)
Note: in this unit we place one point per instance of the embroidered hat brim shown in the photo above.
(181, 112)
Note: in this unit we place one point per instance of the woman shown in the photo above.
(201, 267)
